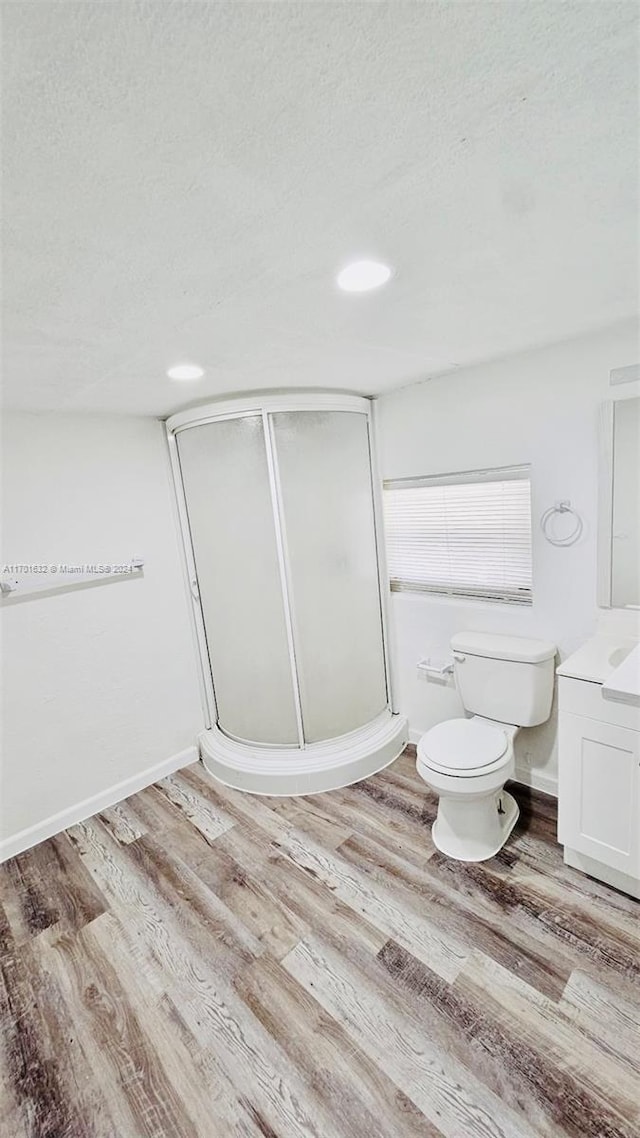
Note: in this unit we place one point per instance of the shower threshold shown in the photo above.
(309, 770)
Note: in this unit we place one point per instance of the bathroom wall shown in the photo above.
(100, 685)
(541, 408)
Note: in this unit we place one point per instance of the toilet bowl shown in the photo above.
(505, 683)
(466, 762)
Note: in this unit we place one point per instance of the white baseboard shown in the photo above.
(536, 780)
(25, 839)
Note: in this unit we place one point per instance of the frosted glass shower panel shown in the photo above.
(327, 504)
(226, 481)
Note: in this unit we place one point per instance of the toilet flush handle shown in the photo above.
(459, 658)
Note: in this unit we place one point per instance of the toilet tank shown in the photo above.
(506, 678)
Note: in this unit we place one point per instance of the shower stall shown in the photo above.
(281, 534)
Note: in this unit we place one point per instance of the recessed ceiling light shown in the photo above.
(360, 276)
(185, 371)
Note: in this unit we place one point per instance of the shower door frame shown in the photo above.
(265, 406)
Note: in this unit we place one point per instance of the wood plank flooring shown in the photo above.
(198, 963)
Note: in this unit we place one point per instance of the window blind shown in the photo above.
(463, 534)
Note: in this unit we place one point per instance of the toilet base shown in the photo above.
(474, 829)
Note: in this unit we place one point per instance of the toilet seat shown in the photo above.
(463, 746)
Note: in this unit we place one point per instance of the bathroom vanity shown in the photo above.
(599, 685)
(599, 761)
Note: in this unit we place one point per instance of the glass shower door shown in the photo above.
(228, 494)
(329, 532)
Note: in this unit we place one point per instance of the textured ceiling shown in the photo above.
(182, 181)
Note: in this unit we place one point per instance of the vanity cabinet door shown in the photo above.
(599, 791)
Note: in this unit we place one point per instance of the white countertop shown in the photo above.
(623, 685)
(613, 662)
(598, 659)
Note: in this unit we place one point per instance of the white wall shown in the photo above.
(100, 683)
(540, 408)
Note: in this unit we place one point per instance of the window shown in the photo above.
(465, 535)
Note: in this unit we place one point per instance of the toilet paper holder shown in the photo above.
(440, 668)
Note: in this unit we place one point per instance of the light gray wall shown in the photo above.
(540, 408)
(100, 683)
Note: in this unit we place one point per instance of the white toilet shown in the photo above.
(506, 682)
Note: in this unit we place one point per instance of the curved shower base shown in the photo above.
(316, 767)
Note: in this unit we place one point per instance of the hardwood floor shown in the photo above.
(198, 962)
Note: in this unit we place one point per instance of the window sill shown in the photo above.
(450, 600)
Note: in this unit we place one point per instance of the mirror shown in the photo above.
(620, 505)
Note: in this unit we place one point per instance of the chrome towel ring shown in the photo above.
(563, 507)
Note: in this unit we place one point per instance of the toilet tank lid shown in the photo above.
(496, 647)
